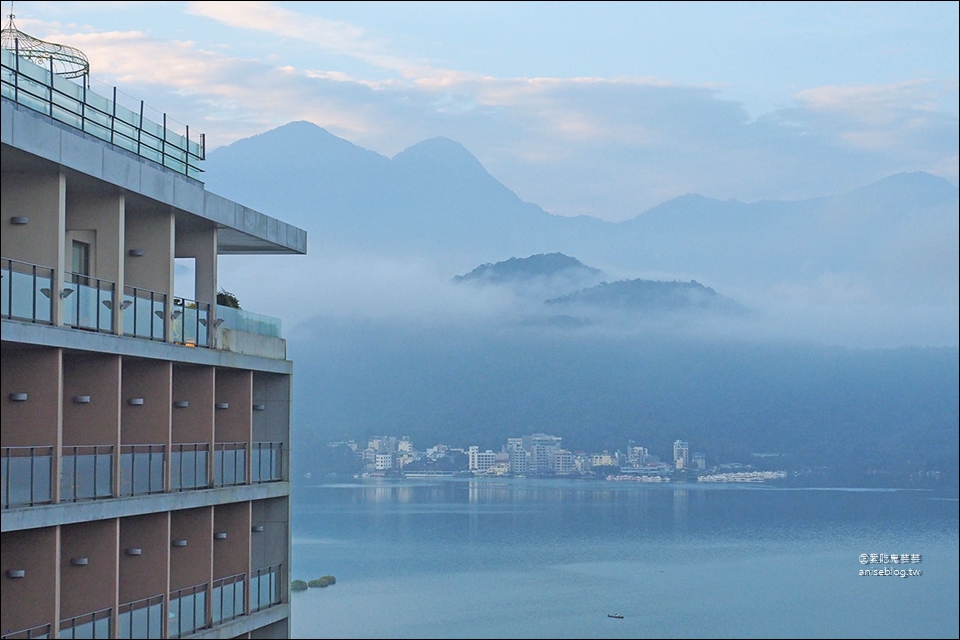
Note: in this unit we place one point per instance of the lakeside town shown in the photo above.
(539, 455)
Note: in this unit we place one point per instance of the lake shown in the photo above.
(551, 558)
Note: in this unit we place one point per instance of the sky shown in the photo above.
(583, 108)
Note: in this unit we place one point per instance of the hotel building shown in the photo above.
(145, 434)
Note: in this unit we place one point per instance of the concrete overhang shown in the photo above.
(33, 141)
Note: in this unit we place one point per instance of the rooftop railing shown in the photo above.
(40, 89)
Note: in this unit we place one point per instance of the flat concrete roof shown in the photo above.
(32, 140)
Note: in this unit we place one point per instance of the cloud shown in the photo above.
(604, 147)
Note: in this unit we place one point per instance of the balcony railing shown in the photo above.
(265, 585)
(91, 303)
(188, 466)
(73, 104)
(141, 618)
(86, 473)
(229, 597)
(191, 320)
(95, 624)
(241, 320)
(88, 302)
(40, 631)
(27, 474)
(141, 469)
(230, 463)
(188, 611)
(25, 293)
(144, 313)
(267, 462)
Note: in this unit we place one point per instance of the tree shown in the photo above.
(227, 299)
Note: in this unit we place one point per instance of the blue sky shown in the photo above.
(601, 109)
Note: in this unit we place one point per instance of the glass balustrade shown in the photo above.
(95, 624)
(265, 587)
(40, 631)
(190, 322)
(188, 611)
(26, 292)
(188, 466)
(144, 313)
(229, 597)
(77, 106)
(267, 462)
(242, 320)
(86, 473)
(230, 463)
(88, 302)
(141, 469)
(27, 475)
(141, 618)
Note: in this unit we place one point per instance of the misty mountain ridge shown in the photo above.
(870, 266)
(542, 265)
(650, 297)
(563, 283)
(886, 243)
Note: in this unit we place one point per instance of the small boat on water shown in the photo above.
(615, 615)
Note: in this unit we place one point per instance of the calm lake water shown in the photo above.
(529, 558)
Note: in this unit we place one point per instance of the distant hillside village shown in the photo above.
(535, 455)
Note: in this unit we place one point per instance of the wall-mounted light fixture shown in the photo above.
(181, 404)
(125, 304)
(180, 543)
(81, 399)
(20, 396)
(220, 535)
(134, 551)
(66, 292)
(79, 562)
(176, 314)
(135, 253)
(19, 220)
(257, 528)
(16, 573)
(222, 405)
(259, 407)
(218, 322)
(135, 402)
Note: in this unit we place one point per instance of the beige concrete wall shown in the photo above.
(234, 387)
(200, 244)
(273, 392)
(193, 564)
(41, 198)
(232, 555)
(98, 421)
(36, 421)
(152, 232)
(194, 384)
(270, 546)
(102, 213)
(98, 542)
(35, 552)
(148, 423)
(145, 575)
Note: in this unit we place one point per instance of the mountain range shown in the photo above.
(443, 307)
(889, 241)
